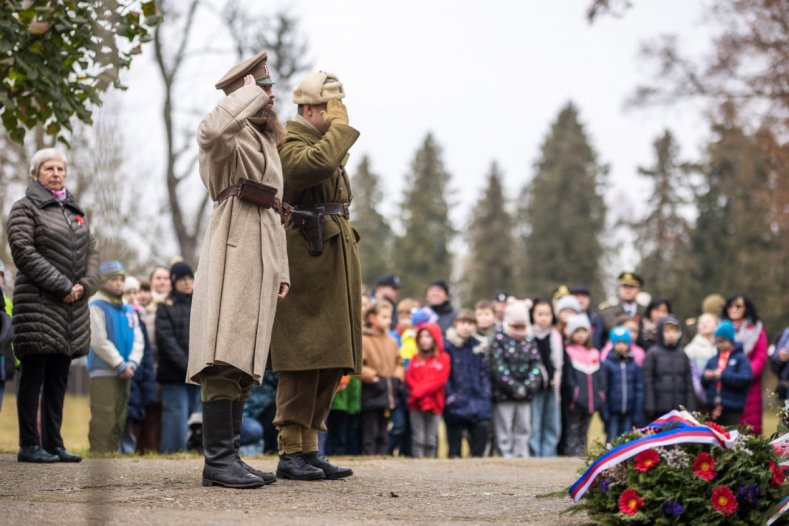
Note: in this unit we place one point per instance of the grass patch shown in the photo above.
(76, 417)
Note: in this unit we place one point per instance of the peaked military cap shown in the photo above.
(631, 279)
(255, 66)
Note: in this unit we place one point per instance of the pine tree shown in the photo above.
(491, 243)
(375, 247)
(563, 212)
(735, 242)
(661, 235)
(422, 252)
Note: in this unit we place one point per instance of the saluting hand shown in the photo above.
(249, 79)
(336, 112)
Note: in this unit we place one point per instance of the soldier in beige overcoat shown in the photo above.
(243, 268)
(317, 332)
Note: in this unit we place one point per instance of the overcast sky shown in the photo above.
(487, 78)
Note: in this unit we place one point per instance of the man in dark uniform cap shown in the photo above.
(629, 286)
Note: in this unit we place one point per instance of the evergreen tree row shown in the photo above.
(719, 225)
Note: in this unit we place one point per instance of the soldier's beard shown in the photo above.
(267, 121)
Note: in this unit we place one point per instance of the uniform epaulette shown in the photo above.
(603, 305)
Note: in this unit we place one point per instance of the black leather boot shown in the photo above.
(331, 471)
(222, 467)
(295, 467)
(35, 454)
(238, 414)
(63, 454)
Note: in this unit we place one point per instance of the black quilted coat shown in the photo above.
(53, 250)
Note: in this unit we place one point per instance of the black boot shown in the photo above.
(238, 414)
(63, 454)
(331, 471)
(222, 468)
(295, 467)
(35, 454)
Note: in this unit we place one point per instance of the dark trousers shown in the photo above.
(343, 435)
(576, 433)
(400, 434)
(44, 375)
(478, 433)
(374, 434)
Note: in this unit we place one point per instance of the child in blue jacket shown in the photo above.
(624, 401)
(727, 377)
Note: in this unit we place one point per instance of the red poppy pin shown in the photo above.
(79, 219)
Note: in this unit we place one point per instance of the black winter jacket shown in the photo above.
(668, 383)
(53, 250)
(172, 338)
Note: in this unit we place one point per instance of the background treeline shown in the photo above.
(717, 224)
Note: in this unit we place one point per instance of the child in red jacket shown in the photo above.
(426, 379)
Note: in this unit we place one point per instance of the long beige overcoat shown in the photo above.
(319, 324)
(243, 258)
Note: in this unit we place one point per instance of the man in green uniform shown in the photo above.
(629, 286)
(317, 332)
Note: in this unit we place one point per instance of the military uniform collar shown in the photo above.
(308, 125)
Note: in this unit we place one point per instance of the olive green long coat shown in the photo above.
(243, 258)
(319, 324)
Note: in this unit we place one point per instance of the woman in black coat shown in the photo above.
(57, 263)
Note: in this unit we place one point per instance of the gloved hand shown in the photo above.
(335, 112)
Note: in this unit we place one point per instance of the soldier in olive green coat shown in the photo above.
(317, 331)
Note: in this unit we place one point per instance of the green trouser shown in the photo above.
(303, 403)
(109, 404)
(224, 382)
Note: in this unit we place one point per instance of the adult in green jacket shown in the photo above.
(317, 330)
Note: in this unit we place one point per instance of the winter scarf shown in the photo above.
(748, 334)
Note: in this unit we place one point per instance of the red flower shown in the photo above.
(647, 460)
(704, 466)
(716, 427)
(629, 502)
(79, 219)
(723, 500)
(778, 477)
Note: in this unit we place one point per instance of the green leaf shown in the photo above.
(149, 8)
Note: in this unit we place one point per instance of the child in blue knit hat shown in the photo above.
(727, 377)
(624, 401)
(116, 350)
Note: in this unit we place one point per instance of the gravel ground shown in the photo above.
(383, 491)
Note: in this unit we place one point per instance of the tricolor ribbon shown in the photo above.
(676, 427)
(777, 510)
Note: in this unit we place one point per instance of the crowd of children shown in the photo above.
(521, 378)
(515, 378)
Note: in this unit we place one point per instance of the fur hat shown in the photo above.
(318, 88)
(577, 321)
(568, 302)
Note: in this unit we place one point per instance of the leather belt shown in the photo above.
(230, 191)
(283, 209)
(340, 209)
